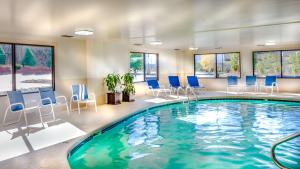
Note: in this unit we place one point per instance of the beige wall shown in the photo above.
(70, 64)
(185, 60)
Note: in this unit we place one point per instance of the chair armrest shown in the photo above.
(93, 96)
(45, 100)
(15, 104)
(61, 98)
(274, 84)
(76, 96)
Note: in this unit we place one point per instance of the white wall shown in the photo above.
(185, 66)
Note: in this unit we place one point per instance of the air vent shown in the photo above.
(67, 36)
(176, 49)
(138, 44)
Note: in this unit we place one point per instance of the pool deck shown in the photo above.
(47, 147)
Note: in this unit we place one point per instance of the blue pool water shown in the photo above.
(212, 134)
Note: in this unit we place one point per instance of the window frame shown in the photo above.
(281, 63)
(216, 65)
(144, 67)
(13, 64)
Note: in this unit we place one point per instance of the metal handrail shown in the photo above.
(285, 139)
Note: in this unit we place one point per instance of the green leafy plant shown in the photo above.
(128, 84)
(113, 81)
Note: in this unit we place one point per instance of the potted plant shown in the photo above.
(129, 88)
(113, 83)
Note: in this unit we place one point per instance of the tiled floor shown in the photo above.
(47, 146)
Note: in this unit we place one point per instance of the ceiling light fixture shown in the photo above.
(155, 43)
(193, 48)
(270, 43)
(84, 32)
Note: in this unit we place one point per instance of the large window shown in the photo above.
(291, 64)
(228, 64)
(5, 68)
(25, 67)
(143, 66)
(205, 65)
(267, 63)
(281, 63)
(33, 67)
(218, 65)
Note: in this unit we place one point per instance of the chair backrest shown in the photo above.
(193, 81)
(232, 80)
(270, 80)
(250, 80)
(15, 97)
(47, 93)
(153, 84)
(79, 92)
(174, 81)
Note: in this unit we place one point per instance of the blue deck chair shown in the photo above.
(17, 105)
(232, 81)
(175, 84)
(193, 84)
(80, 95)
(251, 82)
(48, 98)
(271, 83)
(154, 86)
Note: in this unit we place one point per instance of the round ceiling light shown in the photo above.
(193, 48)
(84, 32)
(155, 43)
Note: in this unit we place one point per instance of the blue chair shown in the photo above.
(80, 95)
(175, 84)
(154, 86)
(17, 105)
(232, 81)
(193, 84)
(251, 81)
(48, 98)
(271, 83)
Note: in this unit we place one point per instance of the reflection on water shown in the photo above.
(205, 134)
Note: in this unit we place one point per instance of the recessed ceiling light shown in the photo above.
(84, 32)
(155, 43)
(270, 43)
(193, 48)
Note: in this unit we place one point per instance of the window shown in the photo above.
(267, 63)
(25, 67)
(143, 66)
(291, 64)
(205, 65)
(218, 65)
(33, 67)
(150, 66)
(5, 68)
(228, 64)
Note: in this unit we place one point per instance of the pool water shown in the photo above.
(212, 134)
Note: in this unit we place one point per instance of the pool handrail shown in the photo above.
(283, 140)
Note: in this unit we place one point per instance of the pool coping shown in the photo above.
(77, 145)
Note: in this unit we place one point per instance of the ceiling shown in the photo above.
(177, 23)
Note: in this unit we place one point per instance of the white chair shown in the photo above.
(80, 95)
(48, 98)
(17, 105)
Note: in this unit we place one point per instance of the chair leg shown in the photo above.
(53, 114)
(78, 106)
(25, 116)
(68, 109)
(71, 104)
(3, 122)
(41, 118)
(96, 106)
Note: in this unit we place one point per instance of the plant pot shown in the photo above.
(113, 98)
(127, 97)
